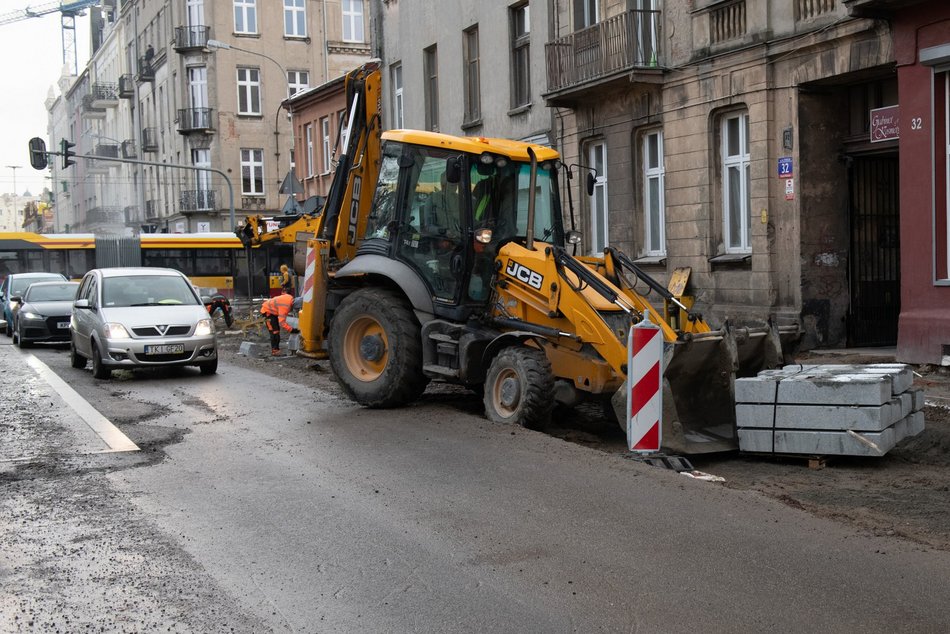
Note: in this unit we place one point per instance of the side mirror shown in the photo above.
(590, 183)
(453, 171)
(574, 237)
(81, 303)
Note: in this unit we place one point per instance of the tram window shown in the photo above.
(9, 263)
(34, 261)
(179, 259)
(212, 262)
(78, 262)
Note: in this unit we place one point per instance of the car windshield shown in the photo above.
(20, 284)
(65, 292)
(147, 290)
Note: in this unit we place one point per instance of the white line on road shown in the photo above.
(115, 439)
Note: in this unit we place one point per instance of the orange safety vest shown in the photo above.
(279, 306)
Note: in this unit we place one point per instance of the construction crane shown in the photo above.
(69, 11)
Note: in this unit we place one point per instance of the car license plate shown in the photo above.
(62, 325)
(168, 348)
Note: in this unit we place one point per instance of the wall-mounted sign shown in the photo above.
(885, 124)
(785, 169)
(789, 189)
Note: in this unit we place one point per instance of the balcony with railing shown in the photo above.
(606, 52)
(89, 110)
(197, 200)
(126, 86)
(105, 95)
(151, 210)
(150, 139)
(194, 120)
(146, 69)
(105, 216)
(190, 38)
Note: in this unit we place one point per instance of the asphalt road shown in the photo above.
(255, 505)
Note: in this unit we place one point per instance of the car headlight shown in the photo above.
(204, 327)
(116, 331)
(30, 315)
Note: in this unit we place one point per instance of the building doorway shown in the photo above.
(874, 267)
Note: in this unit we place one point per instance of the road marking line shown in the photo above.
(115, 439)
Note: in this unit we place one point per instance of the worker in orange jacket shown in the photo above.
(275, 311)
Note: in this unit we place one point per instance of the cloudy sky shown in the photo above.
(32, 54)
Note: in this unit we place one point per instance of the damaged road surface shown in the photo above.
(255, 503)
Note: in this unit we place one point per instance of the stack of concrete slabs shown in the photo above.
(828, 410)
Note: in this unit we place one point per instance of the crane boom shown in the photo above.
(68, 11)
(45, 8)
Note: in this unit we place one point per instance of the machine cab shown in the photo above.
(444, 205)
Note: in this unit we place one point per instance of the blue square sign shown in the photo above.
(785, 167)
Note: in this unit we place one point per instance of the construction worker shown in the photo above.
(275, 311)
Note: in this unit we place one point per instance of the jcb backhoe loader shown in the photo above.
(445, 258)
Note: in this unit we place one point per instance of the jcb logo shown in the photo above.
(354, 210)
(524, 274)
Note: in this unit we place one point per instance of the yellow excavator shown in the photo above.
(445, 258)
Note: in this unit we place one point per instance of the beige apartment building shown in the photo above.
(198, 84)
(732, 137)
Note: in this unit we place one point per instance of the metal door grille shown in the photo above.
(875, 252)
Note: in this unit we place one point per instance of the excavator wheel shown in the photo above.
(519, 388)
(376, 349)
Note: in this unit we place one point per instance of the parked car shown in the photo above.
(140, 317)
(14, 286)
(43, 313)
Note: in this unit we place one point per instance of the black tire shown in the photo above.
(375, 349)
(99, 371)
(208, 367)
(519, 388)
(18, 337)
(7, 329)
(75, 359)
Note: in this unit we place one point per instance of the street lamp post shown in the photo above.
(14, 168)
(219, 45)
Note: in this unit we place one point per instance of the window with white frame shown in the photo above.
(249, 91)
(204, 197)
(308, 139)
(353, 21)
(471, 88)
(297, 81)
(245, 16)
(654, 220)
(325, 136)
(252, 172)
(430, 66)
(586, 13)
(295, 18)
(736, 196)
(398, 117)
(597, 159)
(520, 55)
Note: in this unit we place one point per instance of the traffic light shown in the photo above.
(65, 148)
(38, 158)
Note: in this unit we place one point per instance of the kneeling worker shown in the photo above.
(275, 311)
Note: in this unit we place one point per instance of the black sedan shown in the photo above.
(44, 312)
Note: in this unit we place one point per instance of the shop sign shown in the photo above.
(885, 124)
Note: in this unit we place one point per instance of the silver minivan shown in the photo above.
(140, 317)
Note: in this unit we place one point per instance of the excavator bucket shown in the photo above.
(699, 411)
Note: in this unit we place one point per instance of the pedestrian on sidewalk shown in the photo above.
(288, 283)
(275, 311)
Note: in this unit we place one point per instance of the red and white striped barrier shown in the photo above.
(645, 380)
(309, 275)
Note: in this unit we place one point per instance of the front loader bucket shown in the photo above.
(699, 409)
